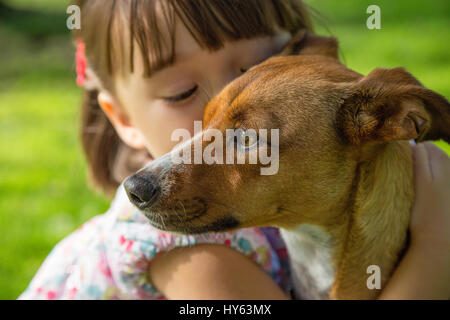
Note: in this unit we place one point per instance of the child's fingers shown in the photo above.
(422, 170)
(439, 161)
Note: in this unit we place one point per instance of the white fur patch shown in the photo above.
(310, 251)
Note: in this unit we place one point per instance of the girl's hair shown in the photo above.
(210, 22)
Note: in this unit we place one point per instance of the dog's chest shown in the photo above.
(310, 252)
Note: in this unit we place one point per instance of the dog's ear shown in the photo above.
(390, 104)
(306, 43)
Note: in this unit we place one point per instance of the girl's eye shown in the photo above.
(181, 96)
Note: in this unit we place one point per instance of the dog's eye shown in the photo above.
(247, 138)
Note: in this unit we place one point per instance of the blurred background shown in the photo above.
(43, 190)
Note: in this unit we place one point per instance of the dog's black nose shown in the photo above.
(142, 190)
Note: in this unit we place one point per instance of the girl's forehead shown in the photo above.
(181, 49)
(155, 34)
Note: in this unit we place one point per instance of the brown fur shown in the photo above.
(344, 164)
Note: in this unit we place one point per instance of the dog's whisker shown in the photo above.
(162, 221)
(206, 92)
(184, 209)
(177, 215)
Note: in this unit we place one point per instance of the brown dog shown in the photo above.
(344, 189)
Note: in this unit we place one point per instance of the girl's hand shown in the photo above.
(430, 217)
(424, 271)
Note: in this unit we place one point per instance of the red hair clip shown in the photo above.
(80, 63)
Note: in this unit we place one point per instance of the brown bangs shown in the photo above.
(117, 31)
(145, 22)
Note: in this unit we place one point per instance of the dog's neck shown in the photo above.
(332, 261)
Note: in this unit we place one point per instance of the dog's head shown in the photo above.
(324, 115)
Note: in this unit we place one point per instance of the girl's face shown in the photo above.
(145, 111)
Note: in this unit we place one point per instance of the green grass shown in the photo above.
(43, 193)
(43, 190)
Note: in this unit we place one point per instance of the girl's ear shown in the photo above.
(304, 42)
(129, 134)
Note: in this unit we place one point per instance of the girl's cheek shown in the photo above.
(158, 121)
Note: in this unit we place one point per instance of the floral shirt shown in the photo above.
(108, 257)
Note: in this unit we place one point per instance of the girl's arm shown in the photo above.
(211, 271)
(424, 272)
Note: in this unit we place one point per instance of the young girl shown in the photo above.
(149, 67)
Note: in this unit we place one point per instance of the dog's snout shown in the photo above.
(142, 191)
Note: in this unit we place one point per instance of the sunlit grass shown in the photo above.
(43, 192)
